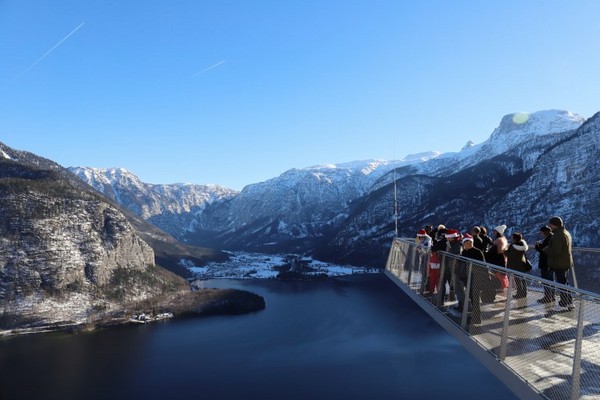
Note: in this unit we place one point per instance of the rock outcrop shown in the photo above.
(66, 253)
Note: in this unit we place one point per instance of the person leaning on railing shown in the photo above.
(515, 259)
(560, 258)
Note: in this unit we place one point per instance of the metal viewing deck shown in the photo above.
(539, 350)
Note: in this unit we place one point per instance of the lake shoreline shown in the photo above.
(192, 304)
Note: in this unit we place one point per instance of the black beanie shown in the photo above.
(556, 221)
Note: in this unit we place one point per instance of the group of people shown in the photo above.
(555, 259)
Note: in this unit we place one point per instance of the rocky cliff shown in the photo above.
(65, 252)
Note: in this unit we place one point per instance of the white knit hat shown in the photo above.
(500, 229)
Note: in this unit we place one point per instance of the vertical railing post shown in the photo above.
(423, 272)
(395, 258)
(574, 278)
(402, 257)
(399, 260)
(414, 258)
(576, 385)
(465, 310)
(505, 325)
(440, 296)
(390, 259)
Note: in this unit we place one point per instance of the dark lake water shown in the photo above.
(357, 337)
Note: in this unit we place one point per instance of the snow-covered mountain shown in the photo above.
(515, 131)
(65, 251)
(170, 207)
(538, 171)
(344, 212)
(293, 211)
(303, 208)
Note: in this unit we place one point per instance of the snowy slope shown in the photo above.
(293, 210)
(515, 131)
(170, 207)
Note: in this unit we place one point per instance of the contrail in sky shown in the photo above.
(207, 69)
(46, 54)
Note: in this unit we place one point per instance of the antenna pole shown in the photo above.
(395, 195)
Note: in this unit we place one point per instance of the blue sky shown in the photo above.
(237, 92)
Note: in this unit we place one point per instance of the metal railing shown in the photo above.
(545, 333)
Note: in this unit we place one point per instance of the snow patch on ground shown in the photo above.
(264, 266)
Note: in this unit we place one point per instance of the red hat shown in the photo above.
(466, 237)
(452, 233)
(422, 233)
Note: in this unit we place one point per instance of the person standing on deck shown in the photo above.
(516, 259)
(485, 238)
(495, 254)
(477, 240)
(429, 231)
(424, 243)
(454, 246)
(439, 244)
(478, 276)
(560, 257)
(545, 272)
(424, 239)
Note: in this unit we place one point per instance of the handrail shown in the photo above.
(587, 249)
(549, 348)
(527, 275)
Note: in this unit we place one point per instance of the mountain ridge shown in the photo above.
(311, 210)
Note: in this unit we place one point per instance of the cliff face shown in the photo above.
(45, 241)
(65, 252)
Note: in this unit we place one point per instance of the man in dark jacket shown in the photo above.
(560, 258)
(545, 272)
(478, 275)
(451, 274)
(477, 241)
(441, 244)
(486, 240)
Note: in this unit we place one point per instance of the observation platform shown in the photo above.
(540, 351)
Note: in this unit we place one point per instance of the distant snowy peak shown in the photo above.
(420, 157)
(148, 200)
(469, 144)
(3, 152)
(6, 152)
(373, 168)
(107, 179)
(514, 129)
(364, 166)
(523, 125)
